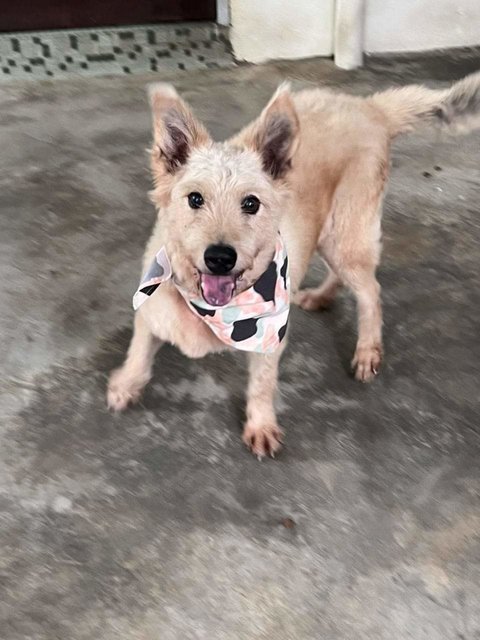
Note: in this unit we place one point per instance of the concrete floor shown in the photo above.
(157, 524)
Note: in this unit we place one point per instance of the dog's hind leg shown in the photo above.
(320, 297)
(357, 272)
(351, 244)
(127, 383)
(368, 353)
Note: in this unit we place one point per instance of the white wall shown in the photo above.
(270, 29)
(414, 25)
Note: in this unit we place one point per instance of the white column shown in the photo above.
(348, 33)
(223, 13)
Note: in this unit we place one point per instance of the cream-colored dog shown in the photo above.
(313, 167)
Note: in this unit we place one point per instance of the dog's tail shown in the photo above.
(457, 107)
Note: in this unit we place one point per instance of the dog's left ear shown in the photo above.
(275, 134)
(175, 130)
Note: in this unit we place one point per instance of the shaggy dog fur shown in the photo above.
(317, 161)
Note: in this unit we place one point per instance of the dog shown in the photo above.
(307, 175)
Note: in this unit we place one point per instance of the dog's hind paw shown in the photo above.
(262, 440)
(312, 300)
(366, 363)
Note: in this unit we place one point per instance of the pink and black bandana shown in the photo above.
(254, 320)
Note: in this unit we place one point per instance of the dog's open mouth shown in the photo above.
(217, 290)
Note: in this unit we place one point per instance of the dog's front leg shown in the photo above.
(261, 433)
(127, 383)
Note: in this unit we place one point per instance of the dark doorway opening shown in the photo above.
(35, 15)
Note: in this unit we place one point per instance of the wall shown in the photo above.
(414, 25)
(269, 29)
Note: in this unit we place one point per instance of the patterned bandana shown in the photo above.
(254, 320)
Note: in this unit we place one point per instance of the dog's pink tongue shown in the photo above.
(217, 290)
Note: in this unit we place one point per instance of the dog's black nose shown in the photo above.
(220, 258)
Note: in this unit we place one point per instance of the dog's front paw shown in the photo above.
(262, 439)
(122, 390)
(366, 363)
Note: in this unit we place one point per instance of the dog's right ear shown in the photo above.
(175, 130)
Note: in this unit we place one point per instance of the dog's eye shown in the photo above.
(195, 200)
(250, 204)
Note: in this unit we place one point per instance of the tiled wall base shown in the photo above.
(113, 51)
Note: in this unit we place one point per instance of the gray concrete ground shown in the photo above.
(157, 524)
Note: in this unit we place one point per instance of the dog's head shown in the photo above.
(220, 203)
